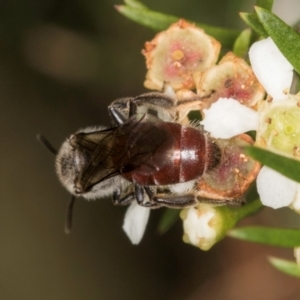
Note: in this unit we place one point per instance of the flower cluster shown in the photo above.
(276, 122)
(184, 58)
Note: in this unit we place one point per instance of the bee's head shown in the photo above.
(71, 162)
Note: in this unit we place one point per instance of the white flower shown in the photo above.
(201, 226)
(176, 54)
(275, 74)
(135, 221)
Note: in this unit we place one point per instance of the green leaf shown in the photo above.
(267, 4)
(285, 38)
(284, 165)
(168, 219)
(151, 19)
(159, 21)
(253, 22)
(270, 236)
(285, 266)
(242, 43)
(137, 4)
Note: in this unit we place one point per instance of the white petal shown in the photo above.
(275, 190)
(271, 68)
(135, 221)
(227, 118)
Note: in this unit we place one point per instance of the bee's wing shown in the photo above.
(142, 143)
(137, 143)
(94, 148)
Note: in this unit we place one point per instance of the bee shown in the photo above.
(151, 155)
(139, 156)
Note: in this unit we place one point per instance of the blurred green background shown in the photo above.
(61, 64)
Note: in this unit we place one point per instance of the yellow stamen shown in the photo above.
(177, 55)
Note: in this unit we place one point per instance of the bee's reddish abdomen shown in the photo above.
(176, 154)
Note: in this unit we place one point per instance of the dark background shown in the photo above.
(61, 64)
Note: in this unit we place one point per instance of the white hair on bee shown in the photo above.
(180, 188)
(196, 124)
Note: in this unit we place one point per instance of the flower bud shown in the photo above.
(203, 226)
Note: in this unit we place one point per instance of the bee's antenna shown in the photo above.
(68, 225)
(46, 143)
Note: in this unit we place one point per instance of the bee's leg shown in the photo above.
(174, 201)
(166, 107)
(140, 197)
(158, 104)
(155, 104)
(171, 201)
(155, 99)
(118, 200)
(119, 110)
(122, 109)
(139, 194)
(164, 101)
